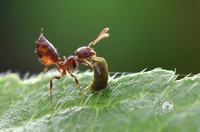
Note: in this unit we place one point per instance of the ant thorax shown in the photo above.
(69, 64)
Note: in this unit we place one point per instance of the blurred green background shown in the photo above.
(144, 33)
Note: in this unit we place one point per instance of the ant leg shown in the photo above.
(51, 84)
(45, 69)
(87, 63)
(77, 82)
(58, 68)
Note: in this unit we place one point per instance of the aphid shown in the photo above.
(100, 68)
(49, 56)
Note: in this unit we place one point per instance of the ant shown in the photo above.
(48, 56)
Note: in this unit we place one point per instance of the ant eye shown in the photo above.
(85, 54)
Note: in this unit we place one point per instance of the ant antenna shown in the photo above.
(102, 35)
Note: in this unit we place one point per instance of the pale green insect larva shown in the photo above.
(100, 68)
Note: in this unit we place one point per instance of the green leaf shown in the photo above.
(145, 101)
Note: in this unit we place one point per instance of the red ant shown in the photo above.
(49, 56)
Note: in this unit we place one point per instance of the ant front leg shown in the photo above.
(87, 63)
(77, 82)
(51, 84)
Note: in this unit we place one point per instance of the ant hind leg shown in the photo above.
(45, 69)
(51, 84)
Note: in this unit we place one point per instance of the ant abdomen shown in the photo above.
(47, 53)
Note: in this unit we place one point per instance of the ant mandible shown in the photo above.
(49, 56)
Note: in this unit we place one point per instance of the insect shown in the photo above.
(100, 68)
(49, 56)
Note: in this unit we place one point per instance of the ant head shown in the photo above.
(84, 52)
